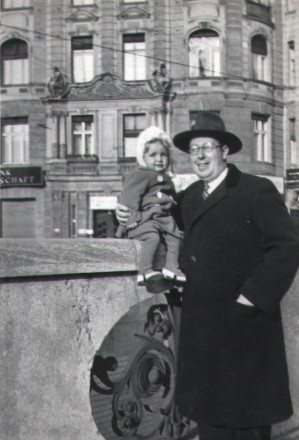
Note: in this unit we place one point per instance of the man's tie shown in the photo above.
(205, 193)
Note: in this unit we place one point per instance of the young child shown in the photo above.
(149, 193)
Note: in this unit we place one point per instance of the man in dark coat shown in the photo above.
(241, 253)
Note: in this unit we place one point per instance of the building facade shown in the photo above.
(82, 78)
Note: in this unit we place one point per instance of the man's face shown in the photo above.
(208, 157)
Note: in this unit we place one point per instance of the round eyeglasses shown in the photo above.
(206, 148)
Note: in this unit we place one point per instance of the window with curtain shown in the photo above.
(15, 141)
(82, 59)
(291, 62)
(83, 135)
(134, 60)
(204, 53)
(262, 137)
(260, 58)
(133, 124)
(15, 63)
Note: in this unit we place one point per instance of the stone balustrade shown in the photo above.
(88, 355)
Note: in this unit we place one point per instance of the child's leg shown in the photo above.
(172, 254)
(150, 240)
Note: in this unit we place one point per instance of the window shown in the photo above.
(134, 57)
(15, 141)
(15, 67)
(82, 2)
(291, 62)
(83, 135)
(262, 138)
(260, 58)
(82, 59)
(204, 53)
(132, 126)
(293, 144)
(15, 4)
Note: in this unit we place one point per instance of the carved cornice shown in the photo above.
(109, 86)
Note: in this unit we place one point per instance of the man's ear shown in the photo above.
(225, 151)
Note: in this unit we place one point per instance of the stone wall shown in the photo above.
(59, 301)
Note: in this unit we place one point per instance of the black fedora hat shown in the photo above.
(208, 124)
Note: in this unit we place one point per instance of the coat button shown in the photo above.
(193, 258)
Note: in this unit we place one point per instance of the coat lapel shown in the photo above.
(197, 207)
(205, 205)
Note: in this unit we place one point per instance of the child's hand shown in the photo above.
(166, 199)
(132, 225)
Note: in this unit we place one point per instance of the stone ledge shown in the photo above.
(52, 257)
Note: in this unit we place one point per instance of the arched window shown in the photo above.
(260, 58)
(15, 65)
(204, 53)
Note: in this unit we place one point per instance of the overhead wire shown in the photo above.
(161, 60)
(158, 59)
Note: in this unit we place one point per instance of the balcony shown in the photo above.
(259, 12)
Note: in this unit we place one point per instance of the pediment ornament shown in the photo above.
(109, 86)
(133, 12)
(80, 16)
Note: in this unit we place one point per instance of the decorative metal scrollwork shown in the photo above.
(133, 395)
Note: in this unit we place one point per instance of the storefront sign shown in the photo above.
(21, 176)
(293, 174)
(103, 202)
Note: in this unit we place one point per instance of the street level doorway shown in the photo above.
(104, 224)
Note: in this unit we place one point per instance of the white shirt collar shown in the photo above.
(216, 182)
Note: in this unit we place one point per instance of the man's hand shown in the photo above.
(122, 213)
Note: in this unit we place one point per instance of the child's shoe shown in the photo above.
(149, 277)
(178, 277)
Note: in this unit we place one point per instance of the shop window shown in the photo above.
(18, 218)
(83, 135)
(262, 137)
(260, 58)
(204, 53)
(15, 4)
(15, 141)
(82, 59)
(133, 124)
(293, 143)
(134, 60)
(15, 63)
(291, 62)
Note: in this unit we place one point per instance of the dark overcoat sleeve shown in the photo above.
(272, 277)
